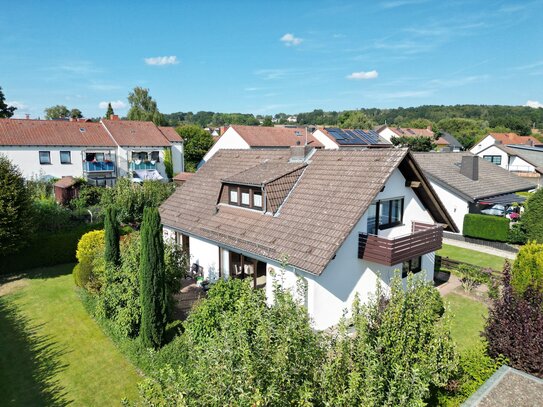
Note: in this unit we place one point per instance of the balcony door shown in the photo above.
(246, 267)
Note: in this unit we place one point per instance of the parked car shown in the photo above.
(496, 210)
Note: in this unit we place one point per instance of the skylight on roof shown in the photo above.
(82, 129)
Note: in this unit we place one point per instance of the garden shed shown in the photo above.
(66, 189)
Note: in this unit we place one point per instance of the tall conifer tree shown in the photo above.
(152, 280)
(112, 251)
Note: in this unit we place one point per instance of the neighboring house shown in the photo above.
(56, 149)
(522, 160)
(445, 142)
(334, 138)
(99, 152)
(330, 222)
(504, 138)
(467, 184)
(292, 119)
(246, 137)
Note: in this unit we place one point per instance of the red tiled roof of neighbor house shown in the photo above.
(514, 138)
(411, 132)
(26, 132)
(320, 209)
(170, 134)
(131, 133)
(259, 136)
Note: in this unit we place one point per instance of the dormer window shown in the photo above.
(263, 187)
(247, 197)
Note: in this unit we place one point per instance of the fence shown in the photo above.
(450, 264)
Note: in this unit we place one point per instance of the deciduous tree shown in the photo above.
(414, 143)
(143, 107)
(355, 119)
(197, 142)
(57, 112)
(153, 295)
(528, 269)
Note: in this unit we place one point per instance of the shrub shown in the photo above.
(119, 296)
(528, 269)
(131, 198)
(474, 368)
(48, 216)
(15, 219)
(517, 234)
(89, 196)
(532, 218)
(400, 349)
(514, 327)
(486, 227)
(46, 249)
(471, 276)
(168, 163)
(89, 254)
(259, 355)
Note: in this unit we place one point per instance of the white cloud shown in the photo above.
(534, 103)
(363, 75)
(171, 60)
(18, 105)
(289, 39)
(116, 104)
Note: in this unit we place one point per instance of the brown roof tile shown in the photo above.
(411, 132)
(170, 134)
(329, 198)
(23, 132)
(513, 138)
(259, 136)
(263, 173)
(136, 134)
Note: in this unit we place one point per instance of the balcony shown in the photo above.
(423, 239)
(99, 166)
(143, 165)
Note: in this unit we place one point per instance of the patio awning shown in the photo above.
(149, 174)
(506, 199)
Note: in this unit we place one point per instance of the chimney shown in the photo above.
(299, 153)
(470, 167)
(114, 117)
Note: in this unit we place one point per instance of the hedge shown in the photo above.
(46, 249)
(486, 227)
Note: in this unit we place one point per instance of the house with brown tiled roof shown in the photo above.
(334, 138)
(247, 137)
(333, 222)
(505, 138)
(467, 184)
(448, 143)
(99, 152)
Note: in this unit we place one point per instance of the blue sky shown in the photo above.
(266, 57)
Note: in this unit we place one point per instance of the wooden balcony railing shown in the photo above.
(423, 239)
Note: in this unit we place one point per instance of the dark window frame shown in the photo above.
(494, 159)
(69, 157)
(390, 223)
(242, 189)
(410, 268)
(48, 155)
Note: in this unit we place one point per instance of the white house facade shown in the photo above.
(465, 183)
(317, 226)
(503, 138)
(99, 152)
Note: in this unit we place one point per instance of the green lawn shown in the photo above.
(468, 320)
(52, 352)
(472, 257)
